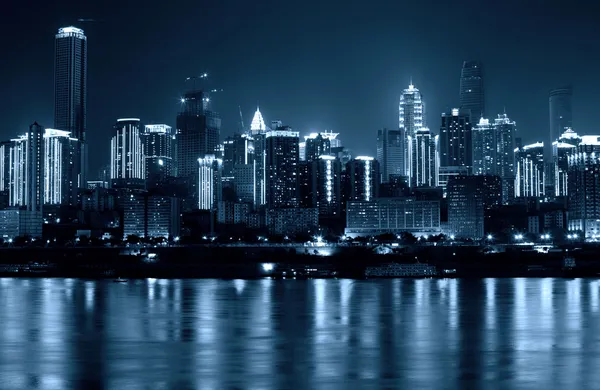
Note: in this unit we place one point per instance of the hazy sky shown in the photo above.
(314, 64)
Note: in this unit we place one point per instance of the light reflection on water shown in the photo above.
(315, 334)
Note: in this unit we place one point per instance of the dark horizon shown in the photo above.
(311, 65)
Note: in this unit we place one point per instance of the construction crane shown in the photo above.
(195, 78)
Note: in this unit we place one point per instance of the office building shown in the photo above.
(127, 167)
(197, 134)
(159, 148)
(424, 159)
(561, 149)
(282, 159)
(468, 198)
(584, 187)
(391, 152)
(326, 184)
(60, 178)
(237, 150)
(484, 148)
(392, 215)
(472, 93)
(319, 144)
(530, 177)
(455, 140)
(362, 179)
(210, 189)
(291, 221)
(70, 93)
(411, 118)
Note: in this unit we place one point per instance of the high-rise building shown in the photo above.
(258, 123)
(484, 148)
(18, 171)
(456, 149)
(472, 93)
(60, 180)
(158, 143)
(34, 181)
(561, 113)
(411, 118)
(362, 179)
(282, 159)
(127, 154)
(5, 165)
(326, 186)
(468, 198)
(317, 145)
(584, 187)
(424, 159)
(70, 92)
(210, 171)
(197, 134)
(530, 178)
(561, 149)
(391, 150)
(505, 130)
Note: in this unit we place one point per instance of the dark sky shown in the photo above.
(314, 64)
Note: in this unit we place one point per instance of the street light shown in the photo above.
(490, 237)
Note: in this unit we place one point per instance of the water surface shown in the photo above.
(293, 334)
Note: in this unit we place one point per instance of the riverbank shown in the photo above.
(248, 262)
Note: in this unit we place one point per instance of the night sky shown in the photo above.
(314, 64)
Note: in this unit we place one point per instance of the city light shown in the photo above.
(268, 267)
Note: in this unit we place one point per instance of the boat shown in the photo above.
(120, 280)
(397, 270)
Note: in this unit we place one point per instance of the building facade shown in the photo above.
(472, 92)
(456, 148)
(159, 148)
(281, 166)
(127, 166)
(530, 178)
(391, 153)
(60, 177)
(362, 179)
(560, 104)
(210, 170)
(424, 159)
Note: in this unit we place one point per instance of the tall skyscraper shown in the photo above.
(258, 123)
(411, 118)
(391, 149)
(282, 159)
(326, 186)
(456, 148)
(70, 92)
(60, 180)
(198, 130)
(158, 141)
(237, 150)
(584, 187)
(127, 154)
(505, 130)
(317, 145)
(5, 165)
(258, 131)
(424, 159)
(209, 182)
(561, 114)
(17, 193)
(530, 178)
(484, 148)
(472, 93)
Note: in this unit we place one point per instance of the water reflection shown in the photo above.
(317, 334)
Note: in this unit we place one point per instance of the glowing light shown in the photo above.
(161, 162)
(258, 123)
(128, 120)
(209, 178)
(268, 267)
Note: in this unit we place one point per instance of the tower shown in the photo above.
(561, 115)
(391, 147)
(411, 117)
(127, 154)
(70, 92)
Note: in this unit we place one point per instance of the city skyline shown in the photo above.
(306, 73)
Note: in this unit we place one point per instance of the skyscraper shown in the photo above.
(326, 186)
(70, 92)
(127, 154)
(282, 159)
(424, 159)
(258, 131)
(472, 94)
(484, 148)
(362, 179)
(584, 187)
(561, 116)
(456, 140)
(561, 149)
(60, 182)
(209, 182)
(158, 153)
(530, 178)
(505, 130)
(411, 117)
(391, 146)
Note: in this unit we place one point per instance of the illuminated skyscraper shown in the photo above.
(456, 148)
(159, 148)
(317, 145)
(18, 171)
(326, 186)
(424, 159)
(561, 113)
(282, 159)
(258, 123)
(237, 150)
(4, 165)
(530, 178)
(60, 181)
(209, 182)
(411, 118)
(484, 148)
(505, 130)
(561, 149)
(472, 93)
(70, 92)
(584, 187)
(362, 179)
(127, 154)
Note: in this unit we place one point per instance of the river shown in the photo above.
(300, 334)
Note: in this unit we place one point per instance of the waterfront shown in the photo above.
(300, 334)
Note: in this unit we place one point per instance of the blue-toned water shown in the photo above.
(309, 334)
